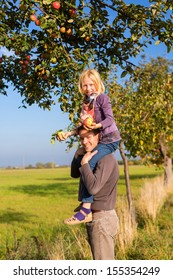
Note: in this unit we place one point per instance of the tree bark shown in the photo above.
(167, 164)
(167, 171)
(127, 180)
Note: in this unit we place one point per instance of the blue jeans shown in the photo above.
(103, 150)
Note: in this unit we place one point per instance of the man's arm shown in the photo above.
(94, 182)
(75, 168)
(75, 173)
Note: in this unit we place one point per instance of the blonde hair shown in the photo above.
(95, 77)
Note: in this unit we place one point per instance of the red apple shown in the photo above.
(37, 22)
(54, 35)
(26, 62)
(25, 71)
(73, 12)
(56, 5)
(36, 62)
(33, 17)
(88, 121)
(27, 57)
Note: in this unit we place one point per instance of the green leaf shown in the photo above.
(47, 2)
(123, 74)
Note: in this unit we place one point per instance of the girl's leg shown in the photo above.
(103, 150)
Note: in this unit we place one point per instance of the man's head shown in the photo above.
(89, 138)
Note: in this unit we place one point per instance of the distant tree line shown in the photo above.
(38, 165)
(41, 165)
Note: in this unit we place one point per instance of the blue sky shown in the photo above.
(25, 133)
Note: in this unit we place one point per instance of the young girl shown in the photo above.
(97, 105)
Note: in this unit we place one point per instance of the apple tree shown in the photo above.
(51, 42)
(143, 109)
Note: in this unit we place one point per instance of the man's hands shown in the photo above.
(87, 157)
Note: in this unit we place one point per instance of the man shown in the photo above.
(102, 184)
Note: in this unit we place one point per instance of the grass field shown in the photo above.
(34, 203)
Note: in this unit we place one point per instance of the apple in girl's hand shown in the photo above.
(60, 135)
(88, 121)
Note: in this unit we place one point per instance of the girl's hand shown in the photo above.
(93, 126)
(61, 136)
(88, 156)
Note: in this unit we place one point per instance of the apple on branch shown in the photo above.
(33, 17)
(26, 62)
(28, 57)
(37, 22)
(69, 31)
(62, 29)
(73, 12)
(56, 5)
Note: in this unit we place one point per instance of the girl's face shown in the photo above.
(88, 86)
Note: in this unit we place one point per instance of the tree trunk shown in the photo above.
(128, 189)
(167, 164)
(167, 171)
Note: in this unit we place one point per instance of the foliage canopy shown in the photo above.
(48, 53)
(144, 110)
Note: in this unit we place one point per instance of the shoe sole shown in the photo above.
(76, 222)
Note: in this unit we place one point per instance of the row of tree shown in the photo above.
(144, 110)
(38, 165)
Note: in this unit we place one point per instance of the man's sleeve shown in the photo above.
(75, 169)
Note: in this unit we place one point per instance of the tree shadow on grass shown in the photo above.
(9, 216)
(61, 188)
(140, 176)
(65, 179)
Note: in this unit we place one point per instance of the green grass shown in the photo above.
(34, 203)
